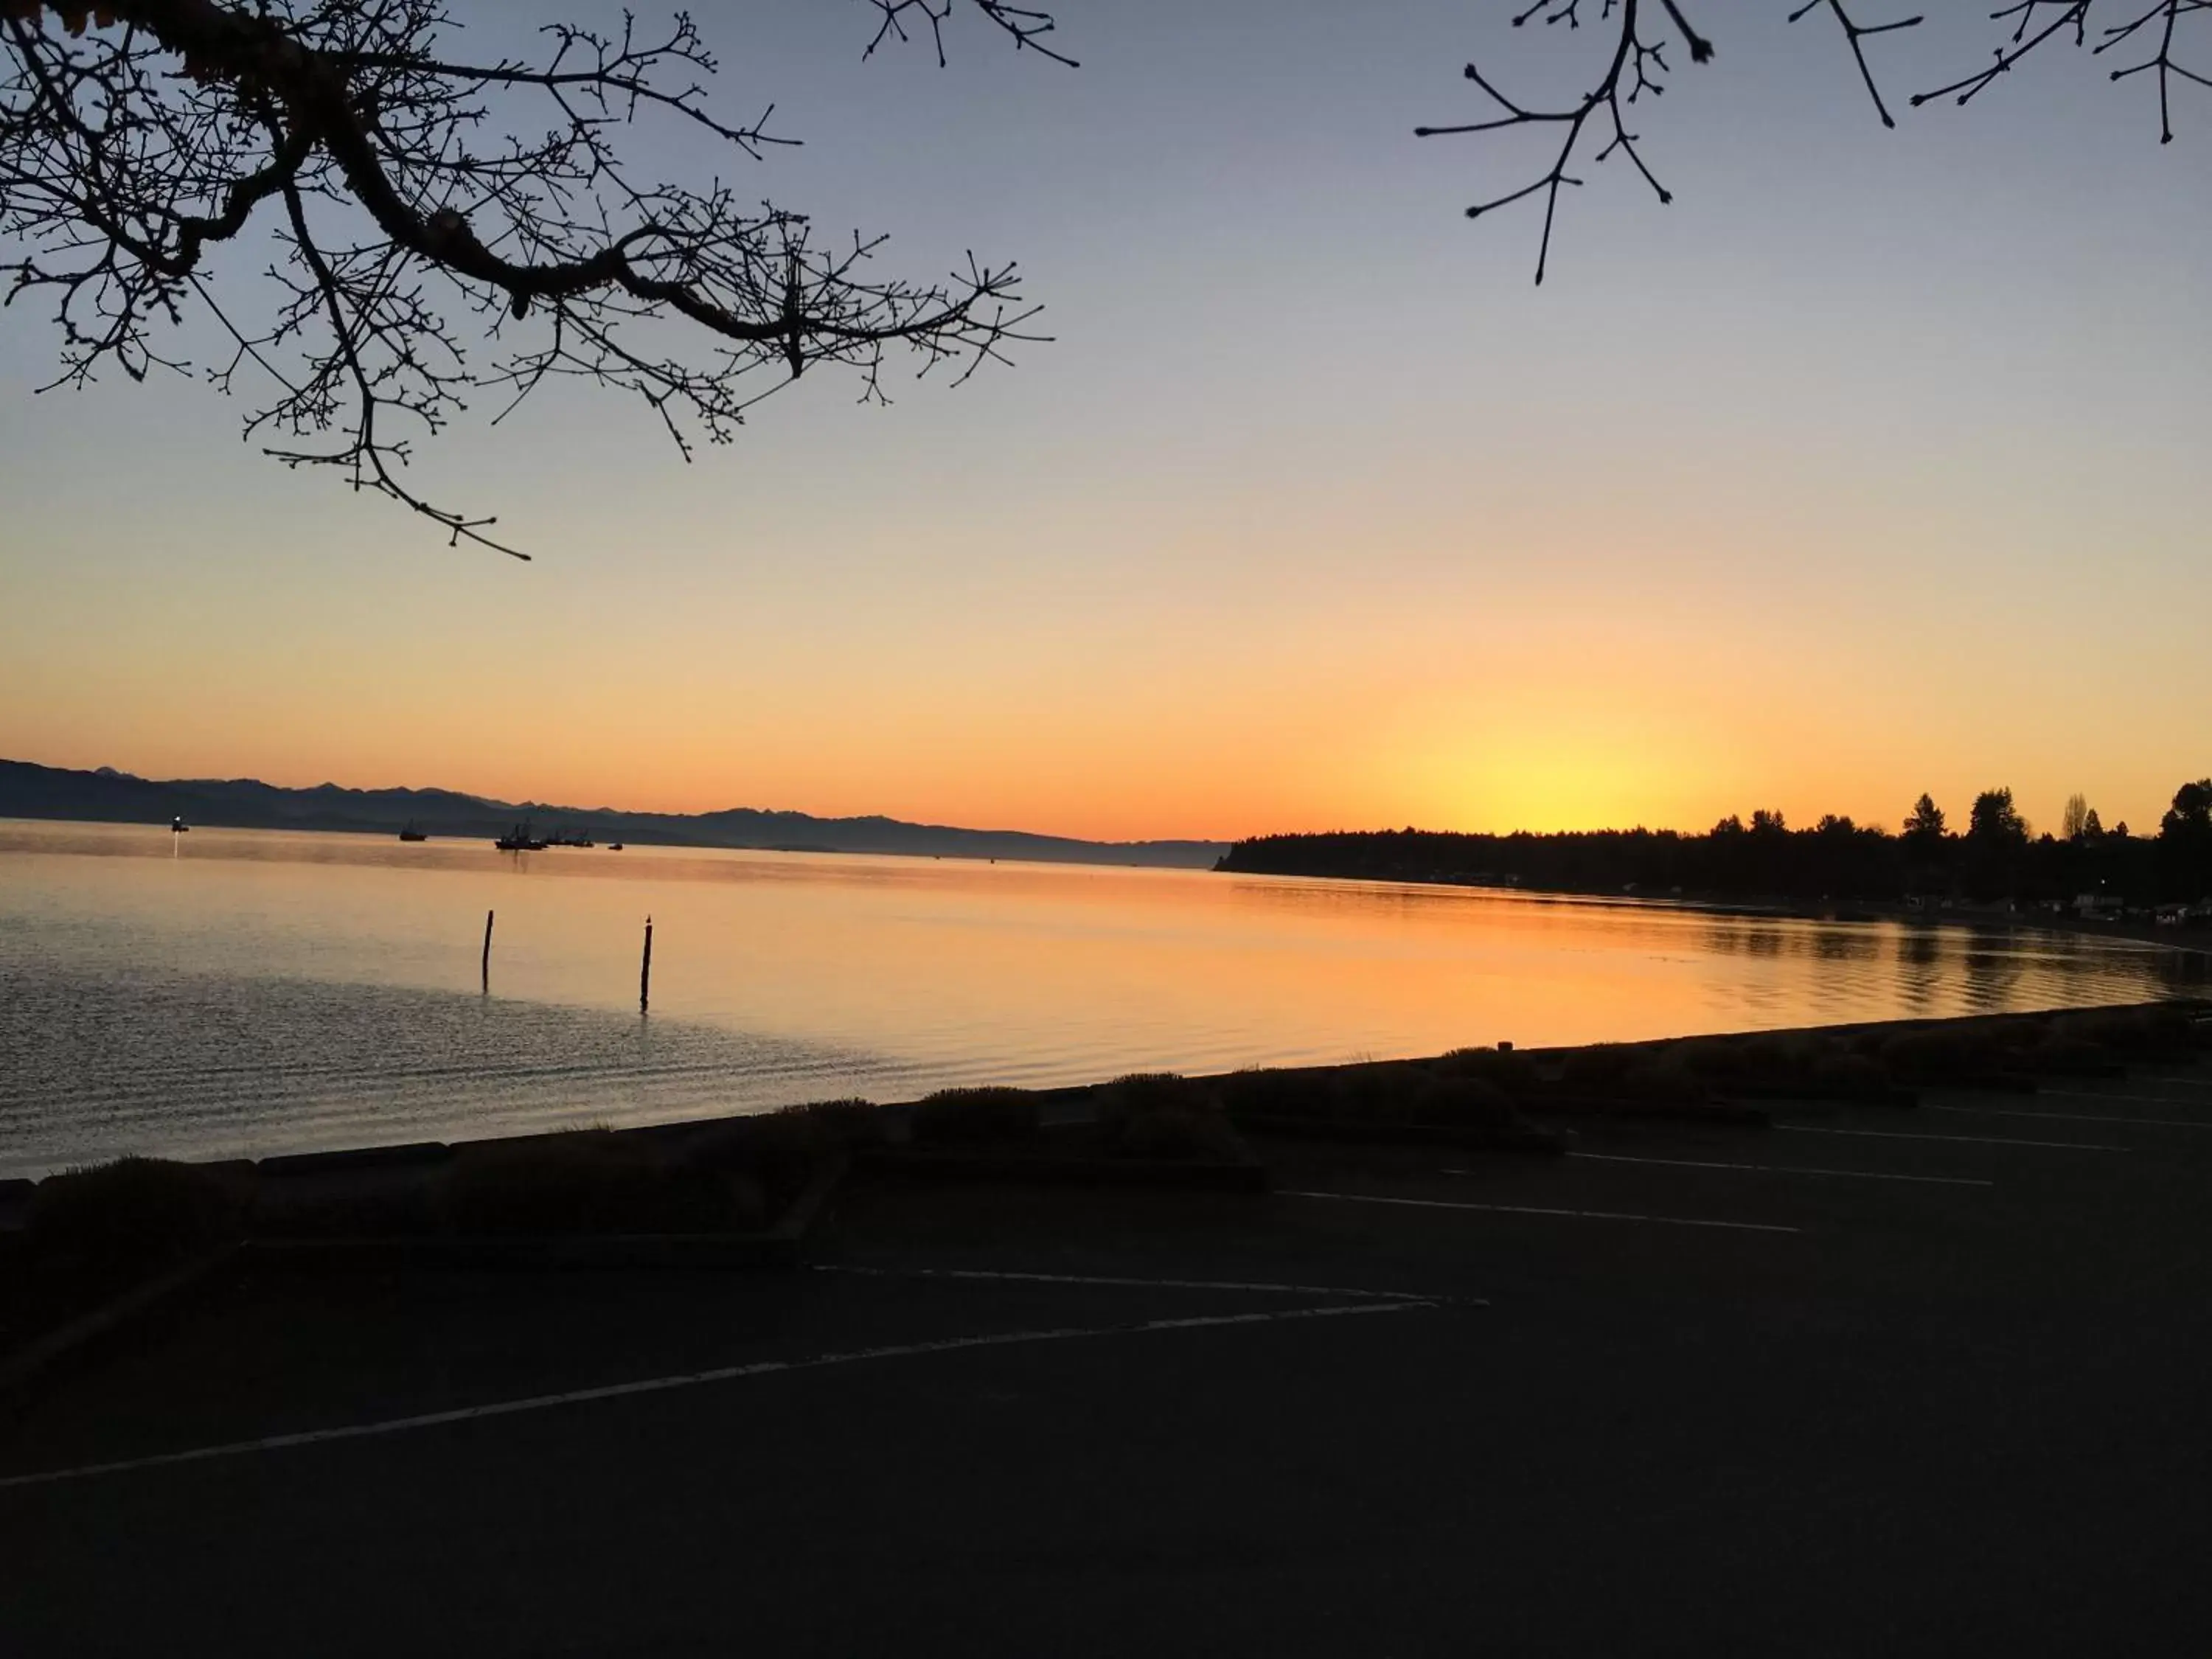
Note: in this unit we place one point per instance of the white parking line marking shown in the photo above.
(690, 1380)
(1977, 1141)
(2125, 1100)
(2070, 1117)
(1532, 1209)
(1777, 1168)
(1127, 1283)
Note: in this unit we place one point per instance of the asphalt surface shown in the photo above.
(1636, 1400)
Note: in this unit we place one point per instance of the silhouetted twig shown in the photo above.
(1857, 34)
(403, 190)
(1023, 24)
(2162, 19)
(1634, 64)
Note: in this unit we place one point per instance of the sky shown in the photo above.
(1871, 464)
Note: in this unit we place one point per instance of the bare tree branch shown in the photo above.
(1635, 68)
(1857, 34)
(137, 138)
(1633, 64)
(1026, 27)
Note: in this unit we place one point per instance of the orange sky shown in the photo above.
(1869, 466)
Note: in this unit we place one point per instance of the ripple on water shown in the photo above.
(262, 990)
(100, 1065)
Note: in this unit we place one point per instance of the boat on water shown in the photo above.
(557, 839)
(178, 827)
(614, 847)
(520, 840)
(410, 833)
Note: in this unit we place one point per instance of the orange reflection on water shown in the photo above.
(1025, 971)
(234, 992)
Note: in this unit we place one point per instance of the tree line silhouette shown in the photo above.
(1996, 857)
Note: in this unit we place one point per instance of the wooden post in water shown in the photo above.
(645, 971)
(487, 952)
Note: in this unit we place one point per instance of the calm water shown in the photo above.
(237, 991)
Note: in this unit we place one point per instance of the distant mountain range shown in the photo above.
(108, 796)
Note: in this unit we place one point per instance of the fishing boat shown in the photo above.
(520, 840)
(410, 833)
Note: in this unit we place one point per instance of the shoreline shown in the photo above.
(2192, 939)
(1065, 1103)
(2196, 940)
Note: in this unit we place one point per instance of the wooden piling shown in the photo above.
(487, 953)
(645, 970)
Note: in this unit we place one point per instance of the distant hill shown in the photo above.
(109, 796)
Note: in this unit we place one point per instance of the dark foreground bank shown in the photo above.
(1828, 1375)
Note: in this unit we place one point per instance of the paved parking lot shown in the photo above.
(1927, 1381)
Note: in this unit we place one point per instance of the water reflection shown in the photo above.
(215, 1067)
(323, 964)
